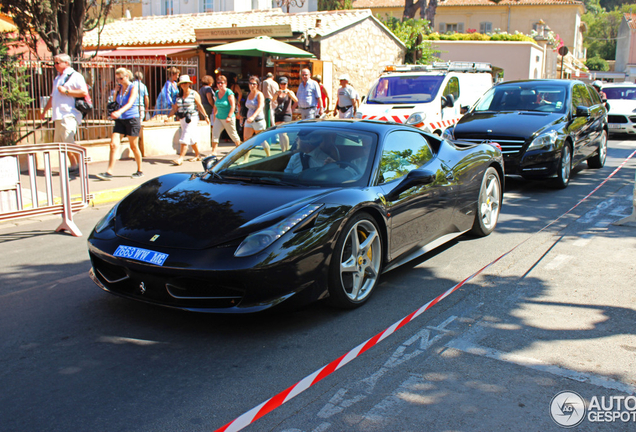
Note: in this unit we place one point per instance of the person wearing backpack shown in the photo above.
(67, 85)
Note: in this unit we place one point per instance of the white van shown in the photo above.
(431, 97)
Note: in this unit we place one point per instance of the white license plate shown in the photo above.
(615, 126)
(139, 254)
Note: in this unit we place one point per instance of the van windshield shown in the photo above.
(405, 89)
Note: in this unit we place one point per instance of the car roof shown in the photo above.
(349, 124)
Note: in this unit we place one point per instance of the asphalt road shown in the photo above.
(73, 358)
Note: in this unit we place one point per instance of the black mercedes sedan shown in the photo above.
(300, 212)
(544, 127)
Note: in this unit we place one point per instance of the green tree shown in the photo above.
(597, 64)
(602, 32)
(327, 5)
(411, 32)
(14, 95)
(60, 24)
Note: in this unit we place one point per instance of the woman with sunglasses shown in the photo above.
(284, 101)
(187, 108)
(127, 123)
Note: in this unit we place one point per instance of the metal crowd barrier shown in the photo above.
(44, 198)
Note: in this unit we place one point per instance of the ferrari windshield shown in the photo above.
(302, 156)
(531, 96)
(405, 89)
(628, 93)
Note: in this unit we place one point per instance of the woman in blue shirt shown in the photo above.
(127, 122)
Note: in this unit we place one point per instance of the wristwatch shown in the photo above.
(66, 91)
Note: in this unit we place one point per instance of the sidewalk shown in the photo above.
(154, 166)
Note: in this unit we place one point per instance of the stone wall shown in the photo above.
(361, 51)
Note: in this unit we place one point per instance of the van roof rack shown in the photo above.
(442, 66)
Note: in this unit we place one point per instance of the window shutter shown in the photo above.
(442, 27)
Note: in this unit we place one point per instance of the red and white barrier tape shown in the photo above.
(271, 404)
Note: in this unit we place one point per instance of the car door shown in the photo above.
(580, 126)
(598, 118)
(418, 214)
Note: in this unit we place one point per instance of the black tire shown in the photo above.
(598, 160)
(488, 204)
(565, 168)
(356, 263)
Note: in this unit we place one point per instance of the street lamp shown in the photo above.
(287, 3)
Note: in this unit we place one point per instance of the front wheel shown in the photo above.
(565, 168)
(355, 266)
(598, 160)
(488, 204)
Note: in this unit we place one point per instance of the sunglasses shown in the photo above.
(253, 83)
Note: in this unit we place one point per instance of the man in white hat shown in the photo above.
(348, 99)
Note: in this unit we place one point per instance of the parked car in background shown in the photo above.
(544, 127)
(621, 99)
(430, 97)
(322, 217)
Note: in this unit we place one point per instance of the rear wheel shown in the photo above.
(355, 266)
(488, 204)
(565, 168)
(598, 160)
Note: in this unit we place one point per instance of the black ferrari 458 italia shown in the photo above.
(304, 211)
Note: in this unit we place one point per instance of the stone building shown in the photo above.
(352, 42)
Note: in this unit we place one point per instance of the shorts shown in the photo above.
(129, 127)
(189, 131)
(285, 118)
(65, 129)
(257, 125)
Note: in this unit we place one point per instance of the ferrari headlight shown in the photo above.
(258, 241)
(106, 220)
(416, 119)
(545, 141)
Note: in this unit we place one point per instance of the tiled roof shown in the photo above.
(358, 4)
(179, 29)
(631, 20)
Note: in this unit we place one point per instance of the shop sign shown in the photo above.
(217, 33)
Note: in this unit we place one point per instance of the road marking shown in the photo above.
(539, 365)
(557, 262)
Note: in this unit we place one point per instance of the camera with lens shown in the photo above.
(184, 114)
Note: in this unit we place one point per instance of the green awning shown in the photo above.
(259, 46)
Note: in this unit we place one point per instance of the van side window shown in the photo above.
(452, 88)
(403, 151)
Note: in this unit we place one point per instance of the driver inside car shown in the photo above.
(309, 155)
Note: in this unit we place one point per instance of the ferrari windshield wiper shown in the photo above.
(272, 180)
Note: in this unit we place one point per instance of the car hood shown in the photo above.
(497, 124)
(621, 106)
(193, 212)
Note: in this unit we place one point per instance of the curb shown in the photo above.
(108, 196)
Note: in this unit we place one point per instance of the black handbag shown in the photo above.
(83, 105)
(112, 107)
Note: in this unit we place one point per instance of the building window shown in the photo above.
(167, 7)
(207, 6)
(485, 27)
(451, 27)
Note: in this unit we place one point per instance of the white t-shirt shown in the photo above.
(346, 96)
(61, 104)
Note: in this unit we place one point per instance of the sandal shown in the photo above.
(195, 159)
(176, 162)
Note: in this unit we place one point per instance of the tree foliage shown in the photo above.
(327, 5)
(412, 33)
(427, 9)
(597, 64)
(14, 95)
(60, 24)
(600, 38)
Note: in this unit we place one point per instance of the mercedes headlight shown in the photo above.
(258, 241)
(416, 119)
(545, 141)
(448, 133)
(106, 220)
